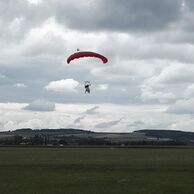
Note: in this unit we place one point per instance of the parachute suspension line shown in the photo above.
(81, 54)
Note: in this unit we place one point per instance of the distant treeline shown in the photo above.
(31, 132)
(74, 140)
(70, 136)
(170, 134)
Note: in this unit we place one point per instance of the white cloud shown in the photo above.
(15, 26)
(40, 105)
(20, 85)
(102, 87)
(184, 106)
(149, 62)
(125, 68)
(12, 116)
(174, 73)
(123, 89)
(46, 39)
(2, 76)
(189, 92)
(64, 85)
(148, 94)
(32, 123)
(35, 2)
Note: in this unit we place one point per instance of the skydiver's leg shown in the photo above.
(87, 90)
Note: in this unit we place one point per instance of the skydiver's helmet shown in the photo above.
(87, 84)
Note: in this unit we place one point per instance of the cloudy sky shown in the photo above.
(147, 83)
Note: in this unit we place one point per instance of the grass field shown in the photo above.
(96, 171)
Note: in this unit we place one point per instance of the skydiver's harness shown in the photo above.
(87, 86)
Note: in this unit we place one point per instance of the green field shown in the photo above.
(96, 170)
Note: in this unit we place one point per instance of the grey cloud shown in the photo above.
(148, 94)
(124, 15)
(189, 4)
(40, 105)
(133, 15)
(87, 112)
(17, 18)
(41, 61)
(94, 15)
(136, 124)
(142, 39)
(92, 110)
(79, 119)
(108, 124)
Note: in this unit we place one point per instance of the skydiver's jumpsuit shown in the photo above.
(87, 88)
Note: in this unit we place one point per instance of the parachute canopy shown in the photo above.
(81, 54)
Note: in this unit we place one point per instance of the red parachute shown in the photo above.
(81, 54)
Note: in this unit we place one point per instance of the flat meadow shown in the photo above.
(27, 170)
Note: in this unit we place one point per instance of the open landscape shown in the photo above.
(96, 97)
(96, 170)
